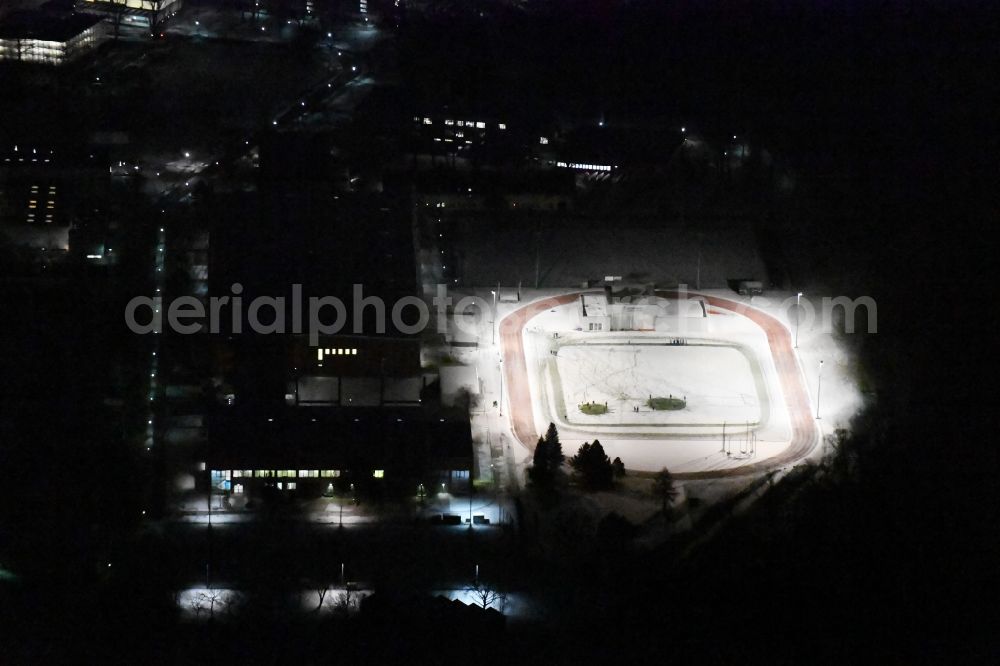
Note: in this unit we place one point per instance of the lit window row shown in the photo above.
(335, 351)
(281, 473)
(585, 167)
(478, 124)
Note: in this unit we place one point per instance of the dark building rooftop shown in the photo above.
(315, 238)
(45, 25)
(402, 439)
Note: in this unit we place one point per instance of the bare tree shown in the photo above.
(211, 600)
(347, 602)
(118, 11)
(486, 595)
(322, 588)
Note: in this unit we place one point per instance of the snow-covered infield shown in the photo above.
(726, 375)
(719, 383)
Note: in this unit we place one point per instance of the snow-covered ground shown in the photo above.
(715, 381)
(699, 449)
(726, 373)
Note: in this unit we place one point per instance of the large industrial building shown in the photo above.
(49, 38)
(354, 409)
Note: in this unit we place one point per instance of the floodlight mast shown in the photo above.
(819, 387)
(493, 320)
(798, 317)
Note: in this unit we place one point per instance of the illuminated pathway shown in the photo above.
(804, 432)
(154, 362)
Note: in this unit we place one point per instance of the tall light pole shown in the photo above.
(798, 316)
(819, 387)
(493, 318)
(500, 366)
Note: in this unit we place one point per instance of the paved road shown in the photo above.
(804, 431)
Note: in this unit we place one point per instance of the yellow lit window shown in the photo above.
(379, 473)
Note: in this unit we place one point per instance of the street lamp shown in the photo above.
(493, 322)
(819, 387)
(798, 316)
(500, 366)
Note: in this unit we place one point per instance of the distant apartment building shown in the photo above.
(51, 198)
(49, 38)
(463, 139)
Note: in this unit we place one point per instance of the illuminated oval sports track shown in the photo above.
(804, 431)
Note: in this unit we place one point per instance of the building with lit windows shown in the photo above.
(466, 136)
(53, 197)
(145, 13)
(354, 409)
(320, 451)
(50, 38)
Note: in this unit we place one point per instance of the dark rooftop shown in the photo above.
(48, 26)
(394, 438)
